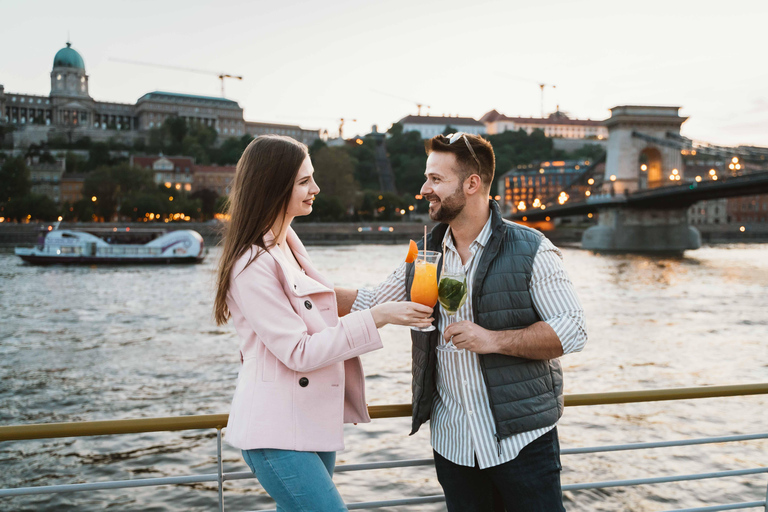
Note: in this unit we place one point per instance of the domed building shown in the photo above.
(70, 112)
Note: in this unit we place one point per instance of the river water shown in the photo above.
(96, 343)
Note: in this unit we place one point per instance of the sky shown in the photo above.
(311, 62)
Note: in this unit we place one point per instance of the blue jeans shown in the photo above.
(528, 483)
(297, 481)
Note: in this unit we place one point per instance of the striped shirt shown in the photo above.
(462, 427)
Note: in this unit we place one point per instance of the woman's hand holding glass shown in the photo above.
(410, 314)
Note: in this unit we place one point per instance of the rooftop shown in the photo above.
(68, 58)
(441, 120)
(177, 97)
(556, 118)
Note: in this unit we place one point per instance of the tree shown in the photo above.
(230, 150)
(327, 209)
(208, 199)
(111, 185)
(75, 164)
(14, 179)
(5, 129)
(408, 159)
(364, 160)
(98, 156)
(32, 206)
(335, 175)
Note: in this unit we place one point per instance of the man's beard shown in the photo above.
(449, 208)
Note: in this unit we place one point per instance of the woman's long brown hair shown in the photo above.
(259, 197)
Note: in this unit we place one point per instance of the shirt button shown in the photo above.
(466, 383)
(303, 382)
(471, 413)
(307, 304)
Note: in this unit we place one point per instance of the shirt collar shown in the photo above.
(480, 241)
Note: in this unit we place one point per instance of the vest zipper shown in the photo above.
(498, 442)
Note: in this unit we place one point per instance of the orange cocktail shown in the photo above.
(424, 287)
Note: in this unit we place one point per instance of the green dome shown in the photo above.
(69, 58)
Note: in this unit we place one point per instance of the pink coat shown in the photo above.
(301, 377)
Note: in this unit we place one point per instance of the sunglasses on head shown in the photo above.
(453, 137)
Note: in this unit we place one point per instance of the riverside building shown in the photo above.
(556, 125)
(70, 112)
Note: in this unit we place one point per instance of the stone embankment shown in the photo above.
(13, 235)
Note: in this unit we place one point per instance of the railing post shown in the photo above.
(221, 469)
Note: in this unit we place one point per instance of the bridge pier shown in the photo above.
(623, 229)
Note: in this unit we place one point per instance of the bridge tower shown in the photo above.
(626, 145)
(634, 133)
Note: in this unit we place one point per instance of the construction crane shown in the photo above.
(341, 125)
(418, 105)
(541, 85)
(221, 75)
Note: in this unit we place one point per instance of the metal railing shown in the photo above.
(218, 421)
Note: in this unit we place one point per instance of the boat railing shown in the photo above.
(219, 421)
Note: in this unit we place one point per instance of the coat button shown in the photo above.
(303, 382)
(307, 304)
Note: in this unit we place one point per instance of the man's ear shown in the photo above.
(473, 184)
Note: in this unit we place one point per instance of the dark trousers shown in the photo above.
(528, 483)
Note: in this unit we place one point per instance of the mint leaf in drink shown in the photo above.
(452, 293)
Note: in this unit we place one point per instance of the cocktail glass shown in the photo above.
(452, 291)
(424, 287)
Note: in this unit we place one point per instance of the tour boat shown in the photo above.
(115, 245)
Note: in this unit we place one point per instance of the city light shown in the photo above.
(613, 177)
(547, 219)
(543, 207)
(2, 219)
(735, 160)
(60, 218)
(525, 219)
(712, 172)
(178, 186)
(521, 206)
(167, 184)
(170, 198)
(93, 199)
(589, 215)
(742, 229)
(698, 179)
(591, 181)
(536, 203)
(498, 198)
(562, 198)
(714, 178)
(411, 208)
(418, 197)
(674, 176)
(643, 167)
(587, 193)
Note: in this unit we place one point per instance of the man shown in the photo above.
(490, 382)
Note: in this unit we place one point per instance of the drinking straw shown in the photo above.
(425, 243)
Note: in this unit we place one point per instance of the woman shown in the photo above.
(300, 376)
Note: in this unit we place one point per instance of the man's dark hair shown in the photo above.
(467, 163)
